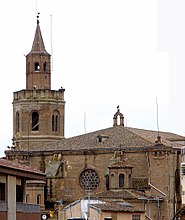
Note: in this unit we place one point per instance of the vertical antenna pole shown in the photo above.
(85, 122)
(51, 39)
(157, 117)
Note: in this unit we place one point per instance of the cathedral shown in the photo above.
(118, 163)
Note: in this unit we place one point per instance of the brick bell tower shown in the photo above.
(38, 111)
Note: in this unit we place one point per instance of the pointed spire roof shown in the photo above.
(38, 43)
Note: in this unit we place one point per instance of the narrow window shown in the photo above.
(121, 180)
(55, 121)
(45, 66)
(38, 199)
(37, 67)
(2, 191)
(107, 181)
(35, 121)
(19, 193)
(27, 198)
(183, 169)
(17, 122)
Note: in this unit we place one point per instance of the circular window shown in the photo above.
(89, 180)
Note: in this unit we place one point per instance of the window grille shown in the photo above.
(89, 180)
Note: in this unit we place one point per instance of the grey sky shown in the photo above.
(105, 53)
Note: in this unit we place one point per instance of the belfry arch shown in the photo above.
(118, 118)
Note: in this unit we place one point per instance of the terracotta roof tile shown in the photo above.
(116, 207)
(15, 166)
(124, 194)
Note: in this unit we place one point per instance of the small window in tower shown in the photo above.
(55, 121)
(35, 121)
(17, 122)
(37, 66)
(121, 180)
(45, 66)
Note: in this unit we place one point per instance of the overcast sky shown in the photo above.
(105, 53)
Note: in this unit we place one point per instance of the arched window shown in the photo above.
(37, 66)
(107, 182)
(35, 121)
(55, 121)
(45, 66)
(121, 180)
(17, 122)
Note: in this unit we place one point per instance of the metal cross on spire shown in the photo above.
(38, 14)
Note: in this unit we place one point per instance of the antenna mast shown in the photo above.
(157, 117)
(51, 39)
(85, 122)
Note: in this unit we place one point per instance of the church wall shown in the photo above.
(138, 160)
(76, 164)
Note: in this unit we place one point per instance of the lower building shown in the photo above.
(13, 179)
(95, 209)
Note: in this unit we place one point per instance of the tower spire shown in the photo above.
(38, 70)
(38, 43)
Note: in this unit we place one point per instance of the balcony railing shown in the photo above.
(24, 207)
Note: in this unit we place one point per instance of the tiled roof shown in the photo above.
(124, 194)
(115, 207)
(168, 138)
(119, 137)
(18, 169)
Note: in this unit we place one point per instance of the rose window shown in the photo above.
(89, 180)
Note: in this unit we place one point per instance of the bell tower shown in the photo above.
(38, 111)
(38, 75)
